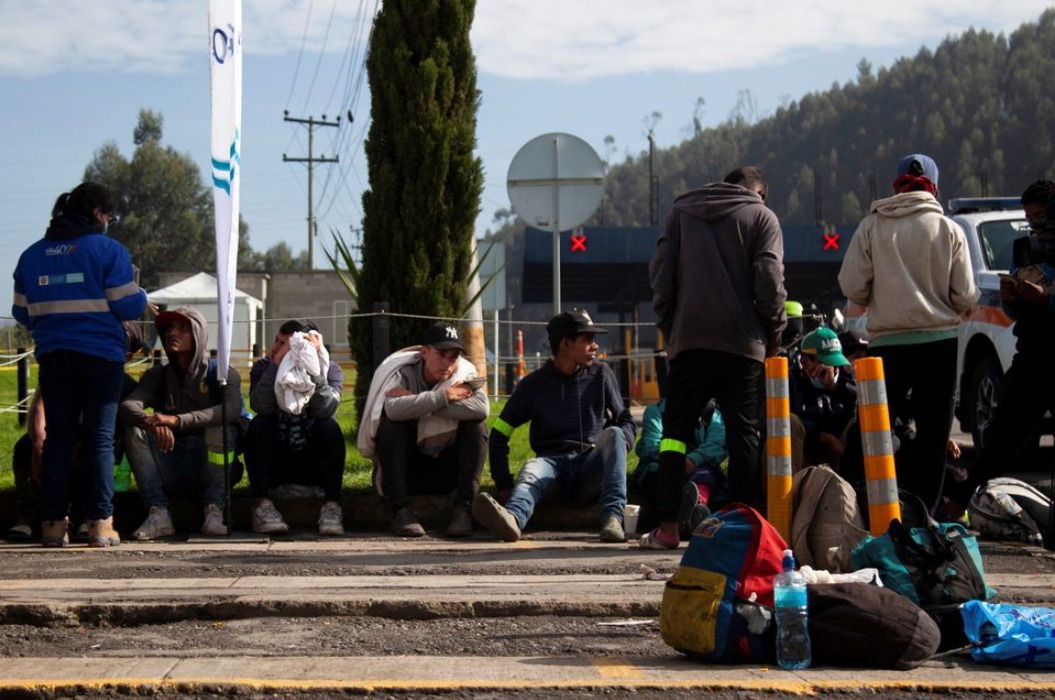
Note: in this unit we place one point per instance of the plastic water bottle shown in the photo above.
(793, 634)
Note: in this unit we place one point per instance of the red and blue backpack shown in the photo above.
(718, 605)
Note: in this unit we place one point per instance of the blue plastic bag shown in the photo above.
(1013, 635)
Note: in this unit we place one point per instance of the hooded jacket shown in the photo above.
(718, 274)
(567, 414)
(188, 395)
(910, 266)
(74, 287)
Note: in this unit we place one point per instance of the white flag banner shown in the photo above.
(225, 58)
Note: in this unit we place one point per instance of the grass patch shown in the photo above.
(357, 471)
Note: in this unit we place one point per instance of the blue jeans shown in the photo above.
(79, 389)
(185, 472)
(583, 476)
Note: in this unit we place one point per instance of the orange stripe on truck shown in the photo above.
(993, 315)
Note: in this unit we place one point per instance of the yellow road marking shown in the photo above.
(616, 668)
(801, 687)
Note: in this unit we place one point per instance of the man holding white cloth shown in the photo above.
(295, 447)
(425, 428)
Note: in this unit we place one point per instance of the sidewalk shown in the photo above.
(142, 584)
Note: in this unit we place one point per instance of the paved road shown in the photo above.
(137, 589)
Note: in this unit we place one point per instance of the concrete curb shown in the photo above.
(126, 602)
(237, 675)
(146, 600)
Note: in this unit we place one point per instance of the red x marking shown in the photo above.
(831, 241)
(578, 243)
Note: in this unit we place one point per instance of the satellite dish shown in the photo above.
(555, 182)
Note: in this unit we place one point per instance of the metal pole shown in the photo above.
(23, 385)
(651, 180)
(556, 227)
(311, 200)
(381, 328)
(498, 359)
(226, 459)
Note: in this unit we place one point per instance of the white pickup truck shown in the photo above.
(986, 346)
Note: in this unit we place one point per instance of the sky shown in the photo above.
(74, 75)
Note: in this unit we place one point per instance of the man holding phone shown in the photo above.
(424, 427)
(1027, 296)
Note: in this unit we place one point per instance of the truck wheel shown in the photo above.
(983, 396)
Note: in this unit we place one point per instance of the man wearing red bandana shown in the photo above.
(910, 265)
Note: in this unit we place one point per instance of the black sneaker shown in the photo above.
(690, 503)
(699, 514)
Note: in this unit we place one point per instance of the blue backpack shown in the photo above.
(718, 604)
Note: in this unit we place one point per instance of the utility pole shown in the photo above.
(653, 189)
(311, 160)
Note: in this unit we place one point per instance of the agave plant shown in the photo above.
(344, 264)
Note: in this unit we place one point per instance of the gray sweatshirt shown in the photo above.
(718, 273)
(425, 399)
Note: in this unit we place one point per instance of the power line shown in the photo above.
(311, 160)
(322, 54)
(348, 143)
(300, 54)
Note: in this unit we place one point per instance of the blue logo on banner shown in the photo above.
(223, 171)
(223, 43)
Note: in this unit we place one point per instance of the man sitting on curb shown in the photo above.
(581, 433)
(177, 450)
(823, 398)
(299, 444)
(705, 481)
(424, 428)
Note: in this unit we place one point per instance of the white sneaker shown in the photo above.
(213, 525)
(331, 519)
(267, 519)
(158, 524)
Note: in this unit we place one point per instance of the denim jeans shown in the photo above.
(185, 472)
(600, 472)
(79, 389)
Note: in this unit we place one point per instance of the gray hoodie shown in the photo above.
(718, 274)
(166, 390)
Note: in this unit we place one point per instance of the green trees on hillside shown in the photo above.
(425, 182)
(981, 104)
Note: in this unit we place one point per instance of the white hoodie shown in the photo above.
(910, 266)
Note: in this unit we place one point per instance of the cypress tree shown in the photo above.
(425, 182)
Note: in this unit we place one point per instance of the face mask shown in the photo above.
(106, 228)
(817, 383)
